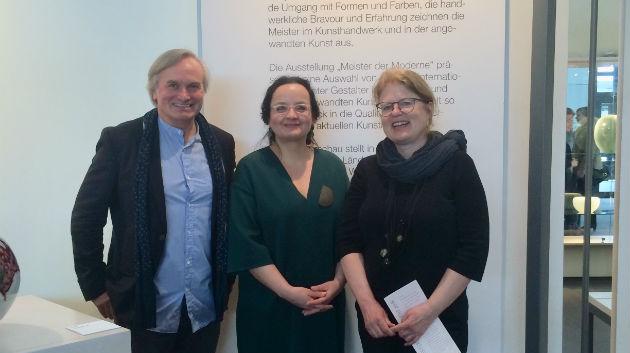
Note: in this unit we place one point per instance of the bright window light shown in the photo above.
(607, 68)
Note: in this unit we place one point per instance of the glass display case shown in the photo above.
(589, 200)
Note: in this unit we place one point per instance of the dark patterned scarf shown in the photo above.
(145, 268)
(425, 162)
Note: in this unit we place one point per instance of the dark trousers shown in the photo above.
(184, 341)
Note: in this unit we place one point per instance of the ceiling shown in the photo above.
(579, 29)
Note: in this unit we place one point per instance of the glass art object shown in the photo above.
(9, 277)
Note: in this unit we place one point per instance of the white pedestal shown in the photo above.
(600, 256)
(37, 325)
(601, 301)
(599, 305)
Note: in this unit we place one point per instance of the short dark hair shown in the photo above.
(265, 107)
(570, 111)
(581, 111)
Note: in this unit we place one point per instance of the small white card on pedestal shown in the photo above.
(89, 328)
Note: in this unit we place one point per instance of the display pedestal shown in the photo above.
(600, 255)
(599, 305)
(37, 325)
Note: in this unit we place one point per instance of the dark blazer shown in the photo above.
(109, 185)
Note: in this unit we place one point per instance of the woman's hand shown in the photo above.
(417, 319)
(330, 290)
(377, 323)
(301, 297)
(415, 322)
(269, 276)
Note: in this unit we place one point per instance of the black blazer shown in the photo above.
(108, 185)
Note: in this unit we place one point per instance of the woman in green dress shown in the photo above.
(285, 205)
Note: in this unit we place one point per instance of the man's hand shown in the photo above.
(104, 306)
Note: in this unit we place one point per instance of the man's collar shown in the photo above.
(177, 132)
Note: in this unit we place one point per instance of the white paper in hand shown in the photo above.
(436, 339)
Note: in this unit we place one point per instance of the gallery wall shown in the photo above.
(621, 302)
(556, 226)
(342, 47)
(70, 68)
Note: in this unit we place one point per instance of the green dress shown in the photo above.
(272, 223)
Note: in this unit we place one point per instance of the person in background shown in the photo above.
(570, 136)
(570, 180)
(414, 211)
(580, 135)
(164, 179)
(579, 151)
(599, 173)
(285, 205)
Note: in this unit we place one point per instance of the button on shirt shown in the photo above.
(185, 269)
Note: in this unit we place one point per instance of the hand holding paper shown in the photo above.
(408, 305)
(377, 323)
(415, 322)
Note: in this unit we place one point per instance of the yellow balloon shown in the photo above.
(605, 133)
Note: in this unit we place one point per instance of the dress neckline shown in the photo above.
(286, 173)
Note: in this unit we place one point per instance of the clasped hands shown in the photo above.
(411, 327)
(315, 299)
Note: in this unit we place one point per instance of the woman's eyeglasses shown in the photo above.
(405, 105)
(283, 109)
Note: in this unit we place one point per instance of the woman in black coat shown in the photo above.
(414, 211)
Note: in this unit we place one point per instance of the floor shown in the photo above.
(571, 336)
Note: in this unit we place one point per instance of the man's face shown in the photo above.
(569, 126)
(179, 93)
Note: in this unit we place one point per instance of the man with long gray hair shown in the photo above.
(164, 179)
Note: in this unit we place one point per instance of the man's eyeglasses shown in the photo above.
(283, 109)
(405, 105)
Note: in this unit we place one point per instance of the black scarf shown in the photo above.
(145, 268)
(425, 162)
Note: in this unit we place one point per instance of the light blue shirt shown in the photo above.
(185, 269)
